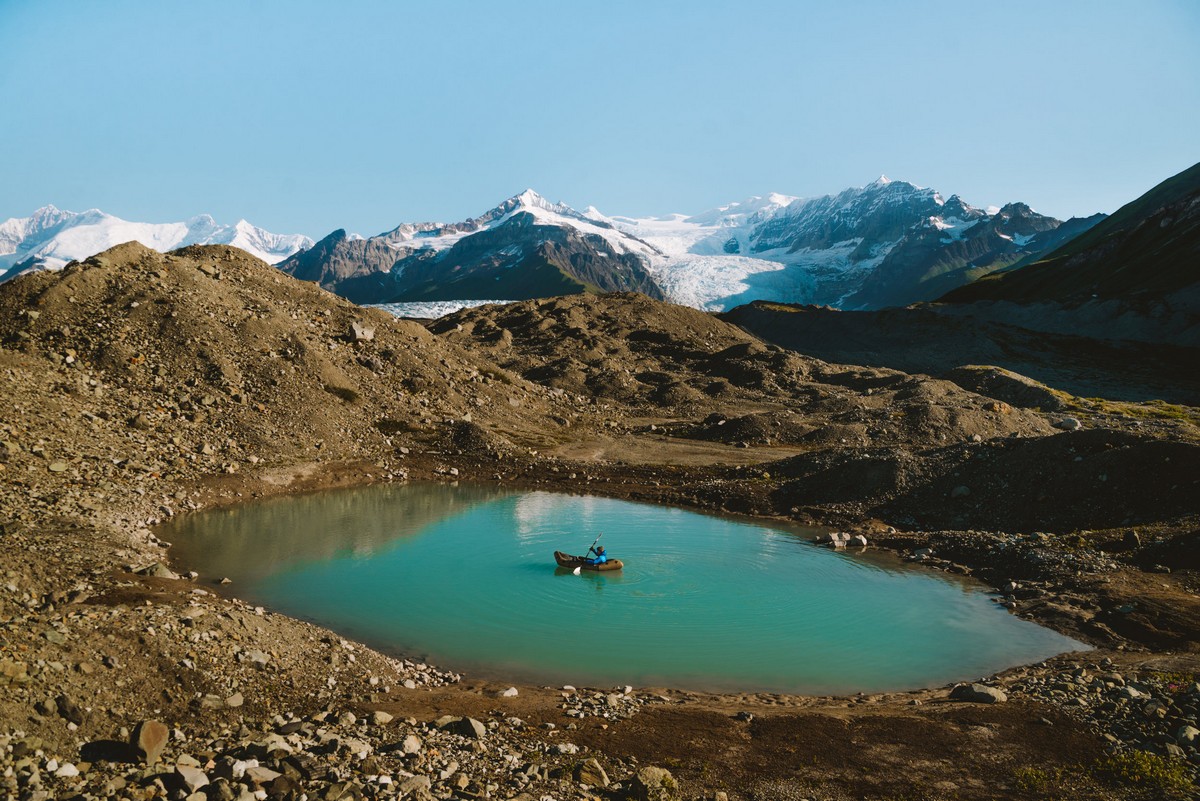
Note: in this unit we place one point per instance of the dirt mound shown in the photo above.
(216, 359)
(662, 361)
(1010, 387)
(1062, 483)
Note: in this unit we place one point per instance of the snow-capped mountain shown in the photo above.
(526, 247)
(885, 244)
(50, 238)
(888, 243)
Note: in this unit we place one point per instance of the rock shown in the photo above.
(591, 772)
(361, 332)
(69, 710)
(465, 727)
(859, 540)
(978, 693)
(511, 692)
(1069, 424)
(380, 718)
(414, 783)
(1188, 736)
(1132, 540)
(66, 771)
(566, 748)
(149, 738)
(260, 774)
(960, 491)
(411, 745)
(157, 570)
(12, 672)
(193, 778)
(235, 700)
(653, 784)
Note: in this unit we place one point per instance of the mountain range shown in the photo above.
(888, 243)
(50, 238)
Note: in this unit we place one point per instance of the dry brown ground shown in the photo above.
(139, 386)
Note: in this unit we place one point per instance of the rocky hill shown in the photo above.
(1146, 256)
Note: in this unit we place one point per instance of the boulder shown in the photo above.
(149, 738)
(465, 727)
(193, 778)
(653, 784)
(978, 693)
(592, 773)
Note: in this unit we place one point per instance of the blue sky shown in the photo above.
(304, 117)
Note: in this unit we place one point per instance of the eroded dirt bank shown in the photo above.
(139, 386)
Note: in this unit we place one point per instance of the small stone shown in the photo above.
(1187, 735)
(69, 710)
(66, 771)
(511, 692)
(566, 748)
(411, 745)
(380, 718)
(235, 700)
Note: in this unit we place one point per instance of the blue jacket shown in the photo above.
(599, 559)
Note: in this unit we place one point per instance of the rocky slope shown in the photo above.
(1134, 276)
(142, 385)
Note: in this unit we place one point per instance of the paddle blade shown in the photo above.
(577, 571)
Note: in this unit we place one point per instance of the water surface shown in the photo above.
(465, 577)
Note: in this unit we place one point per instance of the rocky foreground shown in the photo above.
(138, 386)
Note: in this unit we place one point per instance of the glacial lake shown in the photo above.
(464, 576)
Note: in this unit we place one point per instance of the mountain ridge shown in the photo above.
(50, 238)
(886, 243)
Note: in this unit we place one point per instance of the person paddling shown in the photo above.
(600, 558)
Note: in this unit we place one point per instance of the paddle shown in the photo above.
(579, 569)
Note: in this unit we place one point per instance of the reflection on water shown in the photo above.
(466, 576)
(264, 538)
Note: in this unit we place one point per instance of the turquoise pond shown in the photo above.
(465, 577)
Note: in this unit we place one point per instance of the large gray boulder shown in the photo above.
(978, 693)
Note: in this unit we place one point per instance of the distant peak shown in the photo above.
(530, 198)
(882, 180)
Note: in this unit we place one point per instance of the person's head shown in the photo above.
(600, 549)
